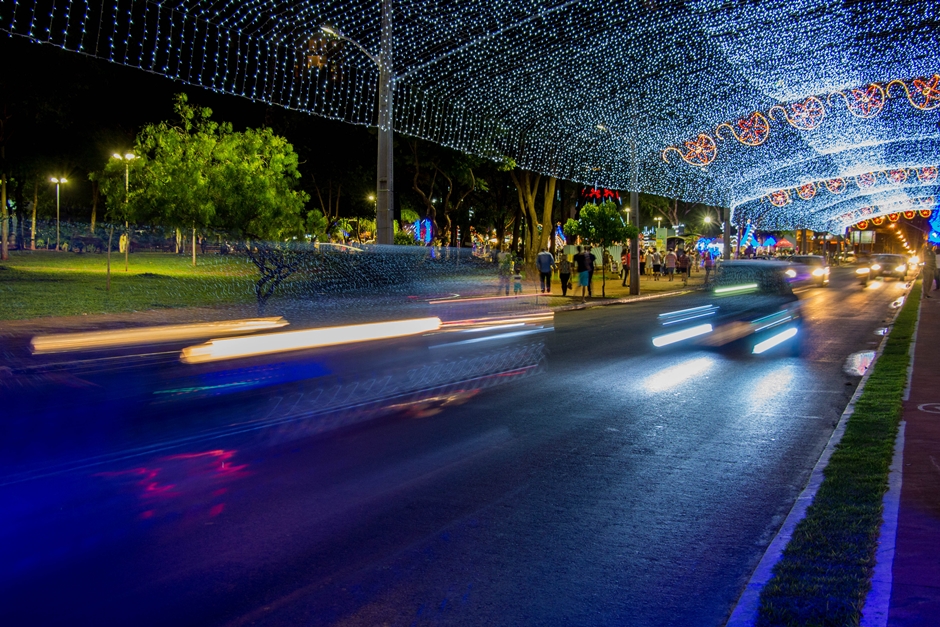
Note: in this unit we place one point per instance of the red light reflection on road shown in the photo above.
(188, 483)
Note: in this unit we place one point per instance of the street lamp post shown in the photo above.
(58, 181)
(126, 158)
(385, 174)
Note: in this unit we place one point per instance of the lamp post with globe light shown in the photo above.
(61, 180)
(126, 158)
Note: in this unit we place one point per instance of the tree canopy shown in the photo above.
(198, 173)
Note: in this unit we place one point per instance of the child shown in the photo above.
(517, 282)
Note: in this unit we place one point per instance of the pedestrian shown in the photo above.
(682, 263)
(564, 272)
(936, 271)
(591, 260)
(657, 264)
(709, 266)
(517, 281)
(930, 269)
(504, 268)
(545, 264)
(625, 267)
(670, 263)
(581, 262)
(642, 261)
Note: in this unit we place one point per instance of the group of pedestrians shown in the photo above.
(668, 264)
(582, 264)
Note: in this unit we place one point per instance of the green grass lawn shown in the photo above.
(47, 283)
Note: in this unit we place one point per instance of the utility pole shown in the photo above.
(635, 218)
(385, 175)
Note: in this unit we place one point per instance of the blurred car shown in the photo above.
(751, 307)
(846, 258)
(809, 269)
(885, 266)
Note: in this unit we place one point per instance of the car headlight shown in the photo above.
(902, 268)
(862, 271)
(791, 273)
(818, 272)
(875, 267)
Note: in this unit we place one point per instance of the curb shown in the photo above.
(745, 611)
(878, 600)
(624, 301)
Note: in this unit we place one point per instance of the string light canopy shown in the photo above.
(718, 101)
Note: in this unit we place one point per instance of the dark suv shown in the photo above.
(885, 266)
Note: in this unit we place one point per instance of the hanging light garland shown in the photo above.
(686, 100)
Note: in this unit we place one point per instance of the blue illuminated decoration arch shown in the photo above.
(716, 101)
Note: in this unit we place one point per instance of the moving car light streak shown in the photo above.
(270, 343)
(736, 289)
(683, 315)
(97, 340)
(684, 334)
(780, 338)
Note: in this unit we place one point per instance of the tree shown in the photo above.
(603, 226)
(446, 177)
(527, 187)
(200, 174)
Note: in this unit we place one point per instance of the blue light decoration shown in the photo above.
(788, 113)
(769, 242)
(424, 231)
(748, 234)
(560, 239)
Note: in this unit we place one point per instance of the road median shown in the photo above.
(825, 571)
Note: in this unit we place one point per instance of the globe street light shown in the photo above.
(385, 175)
(58, 181)
(126, 158)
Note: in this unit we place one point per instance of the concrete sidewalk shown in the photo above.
(915, 587)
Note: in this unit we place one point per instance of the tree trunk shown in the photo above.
(179, 236)
(517, 218)
(5, 229)
(94, 205)
(194, 245)
(32, 233)
(110, 237)
(548, 205)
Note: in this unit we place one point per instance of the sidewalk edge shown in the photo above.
(745, 611)
(877, 606)
(878, 600)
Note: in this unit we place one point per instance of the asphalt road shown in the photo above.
(621, 485)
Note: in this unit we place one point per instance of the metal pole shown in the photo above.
(57, 217)
(635, 245)
(635, 217)
(385, 175)
(726, 234)
(127, 235)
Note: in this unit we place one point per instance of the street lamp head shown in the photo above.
(331, 30)
(708, 219)
(58, 180)
(117, 156)
(130, 156)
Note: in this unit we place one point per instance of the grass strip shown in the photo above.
(825, 571)
(47, 283)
